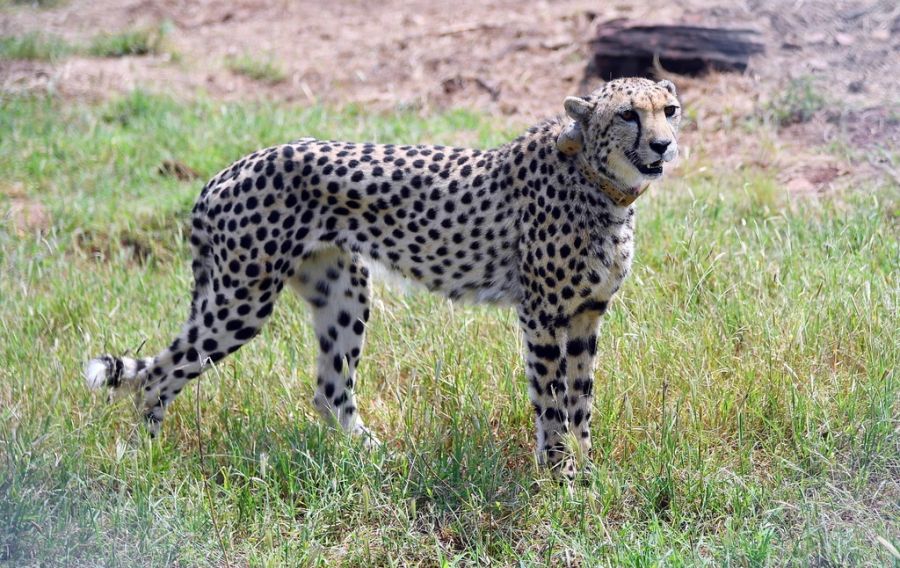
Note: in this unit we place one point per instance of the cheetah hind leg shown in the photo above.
(218, 325)
(336, 286)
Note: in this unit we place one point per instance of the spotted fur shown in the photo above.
(533, 224)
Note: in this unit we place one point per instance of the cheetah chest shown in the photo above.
(610, 255)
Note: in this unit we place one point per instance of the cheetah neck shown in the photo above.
(619, 197)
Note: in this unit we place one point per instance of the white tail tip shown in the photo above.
(95, 373)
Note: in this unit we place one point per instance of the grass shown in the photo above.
(798, 102)
(264, 70)
(34, 3)
(144, 41)
(50, 47)
(34, 46)
(746, 409)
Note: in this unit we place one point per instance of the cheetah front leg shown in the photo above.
(581, 348)
(545, 367)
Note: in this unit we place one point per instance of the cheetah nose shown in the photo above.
(659, 146)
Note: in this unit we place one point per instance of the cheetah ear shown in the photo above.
(570, 141)
(578, 109)
(668, 85)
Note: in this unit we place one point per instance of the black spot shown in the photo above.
(245, 333)
(265, 311)
(591, 306)
(548, 352)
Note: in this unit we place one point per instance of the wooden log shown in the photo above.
(624, 49)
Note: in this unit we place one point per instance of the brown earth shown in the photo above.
(22, 213)
(512, 58)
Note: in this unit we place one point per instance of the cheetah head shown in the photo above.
(626, 129)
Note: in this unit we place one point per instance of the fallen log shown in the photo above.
(623, 49)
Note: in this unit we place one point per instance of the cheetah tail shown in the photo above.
(116, 372)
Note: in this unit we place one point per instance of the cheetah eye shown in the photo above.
(628, 115)
(670, 110)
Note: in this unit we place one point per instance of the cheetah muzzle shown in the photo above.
(543, 223)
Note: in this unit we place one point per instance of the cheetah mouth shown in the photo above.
(651, 169)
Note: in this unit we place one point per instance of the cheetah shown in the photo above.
(544, 223)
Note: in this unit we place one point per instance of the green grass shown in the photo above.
(264, 70)
(798, 102)
(50, 47)
(35, 3)
(34, 46)
(747, 396)
(143, 41)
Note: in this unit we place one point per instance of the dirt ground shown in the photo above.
(505, 57)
